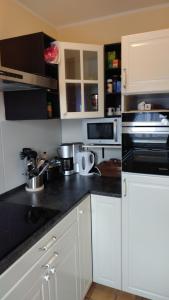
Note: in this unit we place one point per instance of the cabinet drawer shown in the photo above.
(9, 278)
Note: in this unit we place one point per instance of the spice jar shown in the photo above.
(109, 86)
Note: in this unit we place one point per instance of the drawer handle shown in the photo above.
(49, 263)
(51, 242)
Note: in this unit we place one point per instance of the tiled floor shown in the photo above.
(100, 292)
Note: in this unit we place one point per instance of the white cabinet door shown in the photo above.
(145, 227)
(81, 81)
(145, 62)
(63, 270)
(33, 286)
(106, 238)
(85, 251)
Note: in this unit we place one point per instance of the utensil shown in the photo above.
(44, 169)
(40, 163)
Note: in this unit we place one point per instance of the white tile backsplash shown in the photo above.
(72, 131)
(41, 135)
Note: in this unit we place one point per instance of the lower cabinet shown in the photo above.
(145, 238)
(106, 239)
(64, 268)
(85, 245)
(60, 264)
(55, 276)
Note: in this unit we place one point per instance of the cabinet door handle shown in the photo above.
(125, 78)
(52, 270)
(47, 277)
(81, 212)
(125, 187)
(49, 244)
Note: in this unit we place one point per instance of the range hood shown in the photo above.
(13, 80)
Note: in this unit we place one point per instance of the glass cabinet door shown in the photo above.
(90, 65)
(91, 97)
(81, 81)
(90, 76)
(73, 74)
(73, 97)
(72, 64)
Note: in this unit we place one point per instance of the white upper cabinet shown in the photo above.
(81, 81)
(145, 62)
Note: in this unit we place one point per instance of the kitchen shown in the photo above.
(43, 133)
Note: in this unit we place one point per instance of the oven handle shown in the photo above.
(115, 130)
(146, 130)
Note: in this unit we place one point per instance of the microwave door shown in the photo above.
(102, 133)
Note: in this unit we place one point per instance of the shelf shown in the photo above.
(112, 99)
(118, 70)
(102, 146)
(113, 94)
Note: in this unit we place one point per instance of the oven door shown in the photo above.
(146, 150)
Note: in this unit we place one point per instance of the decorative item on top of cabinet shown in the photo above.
(145, 62)
(112, 75)
(81, 81)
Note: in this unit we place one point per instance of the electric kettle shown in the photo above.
(85, 160)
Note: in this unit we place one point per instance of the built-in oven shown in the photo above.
(145, 143)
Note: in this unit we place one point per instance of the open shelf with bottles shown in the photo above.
(112, 78)
(145, 103)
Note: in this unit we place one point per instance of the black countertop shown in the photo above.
(63, 195)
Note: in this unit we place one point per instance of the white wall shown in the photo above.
(41, 135)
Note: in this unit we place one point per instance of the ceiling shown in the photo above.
(61, 13)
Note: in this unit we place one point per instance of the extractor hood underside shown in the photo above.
(12, 80)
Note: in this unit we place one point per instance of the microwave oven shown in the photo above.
(103, 131)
